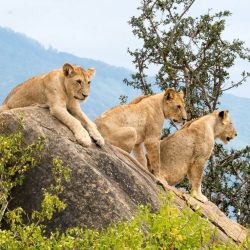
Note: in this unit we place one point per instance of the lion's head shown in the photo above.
(224, 128)
(174, 106)
(77, 81)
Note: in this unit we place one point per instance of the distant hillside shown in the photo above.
(22, 58)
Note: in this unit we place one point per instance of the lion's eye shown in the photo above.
(79, 81)
(179, 106)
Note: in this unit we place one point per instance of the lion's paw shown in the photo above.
(84, 140)
(162, 182)
(201, 197)
(97, 137)
(100, 141)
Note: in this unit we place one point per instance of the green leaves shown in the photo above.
(227, 182)
(51, 202)
(169, 228)
(15, 160)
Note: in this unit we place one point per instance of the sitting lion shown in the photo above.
(141, 121)
(60, 91)
(187, 150)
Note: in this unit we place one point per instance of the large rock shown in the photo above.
(105, 185)
(103, 188)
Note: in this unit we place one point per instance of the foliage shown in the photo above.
(170, 228)
(123, 99)
(227, 182)
(15, 160)
(190, 54)
(51, 202)
(32, 235)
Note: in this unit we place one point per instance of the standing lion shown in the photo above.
(140, 122)
(59, 90)
(187, 150)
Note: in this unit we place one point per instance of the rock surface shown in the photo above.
(102, 188)
(105, 185)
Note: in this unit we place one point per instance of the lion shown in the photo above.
(187, 150)
(140, 122)
(61, 91)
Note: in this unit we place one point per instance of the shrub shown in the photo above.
(15, 160)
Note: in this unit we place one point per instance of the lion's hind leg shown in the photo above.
(124, 138)
(140, 154)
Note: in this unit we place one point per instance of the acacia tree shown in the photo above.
(191, 54)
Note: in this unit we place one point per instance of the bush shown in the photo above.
(170, 228)
(15, 160)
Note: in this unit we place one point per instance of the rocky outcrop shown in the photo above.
(103, 188)
(105, 184)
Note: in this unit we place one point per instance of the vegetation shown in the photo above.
(191, 54)
(15, 160)
(170, 228)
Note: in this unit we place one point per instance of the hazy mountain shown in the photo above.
(22, 58)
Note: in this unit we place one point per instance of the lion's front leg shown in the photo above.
(87, 123)
(195, 178)
(152, 146)
(73, 124)
(94, 133)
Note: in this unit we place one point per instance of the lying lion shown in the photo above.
(141, 121)
(187, 150)
(60, 91)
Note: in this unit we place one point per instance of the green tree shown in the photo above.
(191, 54)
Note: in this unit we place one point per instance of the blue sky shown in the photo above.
(99, 29)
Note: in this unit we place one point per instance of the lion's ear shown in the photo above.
(223, 114)
(68, 70)
(169, 94)
(91, 72)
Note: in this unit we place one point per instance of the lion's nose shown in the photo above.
(85, 96)
(184, 119)
(236, 134)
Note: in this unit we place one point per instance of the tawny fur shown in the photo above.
(187, 150)
(60, 91)
(140, 122)
(138, 99)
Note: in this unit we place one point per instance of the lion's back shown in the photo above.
(30, 92)
(191, 142)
